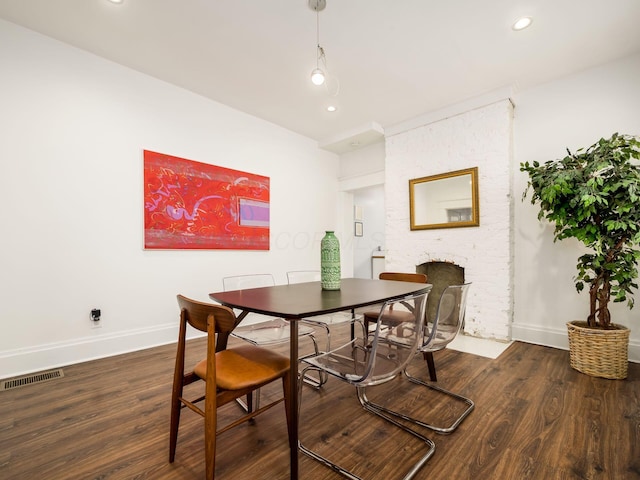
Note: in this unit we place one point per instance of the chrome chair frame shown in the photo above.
(405, 277)
(433, 343)
(321, 321)
(250, 333)
(365, 374)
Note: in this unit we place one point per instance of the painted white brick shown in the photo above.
(478, 138)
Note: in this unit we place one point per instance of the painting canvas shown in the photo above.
(193, 205)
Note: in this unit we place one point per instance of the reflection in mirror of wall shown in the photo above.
(446, 200)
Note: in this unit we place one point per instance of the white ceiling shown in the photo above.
(395, 59)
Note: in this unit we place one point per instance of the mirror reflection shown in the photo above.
(447, 200)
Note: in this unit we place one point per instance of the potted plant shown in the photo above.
(593, 195)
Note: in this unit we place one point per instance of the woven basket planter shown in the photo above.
(599, 353)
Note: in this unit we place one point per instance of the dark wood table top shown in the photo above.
(300, 300)
(308, 299)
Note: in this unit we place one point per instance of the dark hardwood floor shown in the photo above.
(535, 418)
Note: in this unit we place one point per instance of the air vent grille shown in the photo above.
(25, 380)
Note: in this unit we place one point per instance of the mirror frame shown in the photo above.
(475, 203)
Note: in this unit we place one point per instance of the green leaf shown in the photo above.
(593, 195)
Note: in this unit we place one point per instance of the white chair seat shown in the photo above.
(334, 318)
(275, 330)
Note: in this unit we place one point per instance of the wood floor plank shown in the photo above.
(535, 418)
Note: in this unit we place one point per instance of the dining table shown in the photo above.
(294, 302)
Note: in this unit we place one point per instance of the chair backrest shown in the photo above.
(240, 282)
(392, 348)
(302, 276)
(197, 313)
(404, 277)
(449, 317)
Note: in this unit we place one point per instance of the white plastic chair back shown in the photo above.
(241, 282)
(256, 328)
(303, 276)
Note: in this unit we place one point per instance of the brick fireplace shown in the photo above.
(440, 275)
(484, 254)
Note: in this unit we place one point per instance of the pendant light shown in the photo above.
(318, 75)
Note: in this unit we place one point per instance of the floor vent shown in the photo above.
(24, 380)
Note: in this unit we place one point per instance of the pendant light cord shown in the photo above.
(319, 48)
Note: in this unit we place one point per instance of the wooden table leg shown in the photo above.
(428, 356)
(293, 395)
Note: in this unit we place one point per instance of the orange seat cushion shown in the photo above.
(244, 366)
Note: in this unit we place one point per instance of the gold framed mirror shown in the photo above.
(446, 200)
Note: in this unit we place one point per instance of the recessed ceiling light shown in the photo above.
(116, 1)
(521, 23)
(331, 108)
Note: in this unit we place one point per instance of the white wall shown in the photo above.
(364, 161)
(73, 128)
(477, 138)
(362, 175)
(573, 112)
(371, 200)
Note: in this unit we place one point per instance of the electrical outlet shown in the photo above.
(95, 318)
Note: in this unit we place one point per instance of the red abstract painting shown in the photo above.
(193, 205)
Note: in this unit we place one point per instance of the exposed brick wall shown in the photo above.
(482, 138)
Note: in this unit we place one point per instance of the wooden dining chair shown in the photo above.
(393, 318)
(228, 374)
(262, 330)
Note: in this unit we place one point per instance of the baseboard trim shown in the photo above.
(54, 355)
(558, 338)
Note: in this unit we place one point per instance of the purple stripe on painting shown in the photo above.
(254, 213)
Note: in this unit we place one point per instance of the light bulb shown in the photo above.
(522, 23)
(317, 76)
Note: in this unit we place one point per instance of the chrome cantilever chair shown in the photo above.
(301, 276)
(325, 322)
(375, 359)
(370, 316)
(262, 330)
(228, 373)
(255, 328)
(438, 334)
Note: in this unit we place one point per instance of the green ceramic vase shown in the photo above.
(330, 262)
